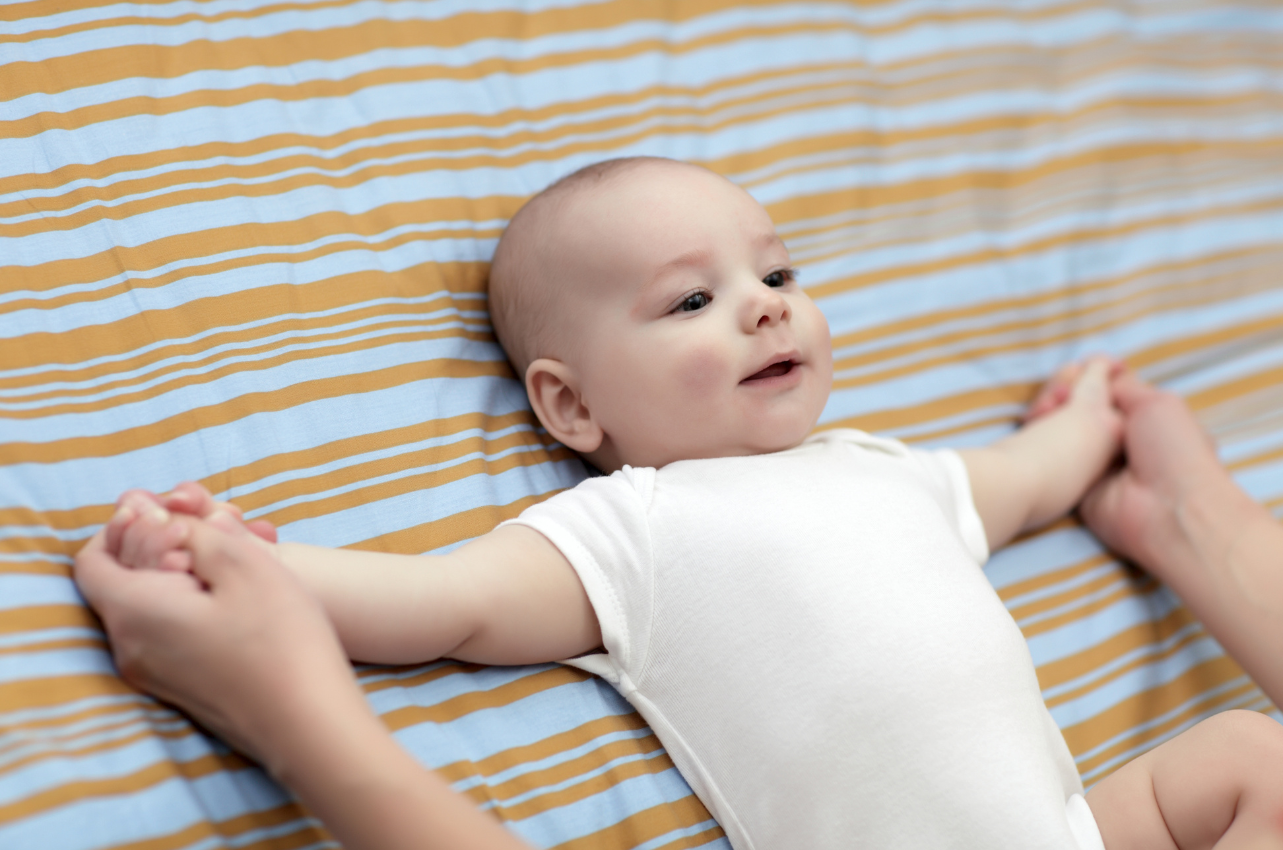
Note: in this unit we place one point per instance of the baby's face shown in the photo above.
(696, 340)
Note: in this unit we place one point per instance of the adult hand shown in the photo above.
(1176, 511)
(1134, 509)
(238, 643)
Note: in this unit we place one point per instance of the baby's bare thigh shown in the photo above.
(1222, 779)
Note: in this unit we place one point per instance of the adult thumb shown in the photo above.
(217, 557)
(1129, 391)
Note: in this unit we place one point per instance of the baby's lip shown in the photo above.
(779, 364)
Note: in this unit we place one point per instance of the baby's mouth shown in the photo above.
(783, 367)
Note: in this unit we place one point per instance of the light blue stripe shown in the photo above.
(21, 591)
(48, 664)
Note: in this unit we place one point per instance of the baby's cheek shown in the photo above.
(702, 371)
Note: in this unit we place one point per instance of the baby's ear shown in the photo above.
(555, 397)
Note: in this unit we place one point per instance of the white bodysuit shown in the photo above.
(811, 637)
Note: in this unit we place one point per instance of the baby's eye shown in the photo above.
(779, 278)
(694, 301)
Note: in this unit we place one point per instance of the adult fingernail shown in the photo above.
(156, 514)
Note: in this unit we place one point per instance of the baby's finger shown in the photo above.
(263, 530)
(1094, 376)
(114, 530)
(136, 496)
(150, 537)
(1050, 397)
(232, 509)
(1055, 392)
(176, 560)
(189, 497)
(135, 533)
(226, 521)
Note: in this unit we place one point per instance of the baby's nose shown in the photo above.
(772, 310)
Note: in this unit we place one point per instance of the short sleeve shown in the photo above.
(602, 529)
(943, 474)
(954, 495)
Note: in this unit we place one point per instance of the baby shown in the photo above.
(802, 620)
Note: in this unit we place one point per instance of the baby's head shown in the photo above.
(653, 312)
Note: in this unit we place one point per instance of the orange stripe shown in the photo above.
(467, 703)
(1081, 612)
(455, 281)
(149, 22)
(222, 319)
(645, 826)
(53, 646)
(1051, 578)
(231, 410)
(31, 618)
(412, 675)
(1080, 591)
(35, 568)
(19, 11)
(274, 240)
(549, 746)
(461, 526)
(51, 691)
(264, 356)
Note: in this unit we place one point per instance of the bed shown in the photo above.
(246, 243)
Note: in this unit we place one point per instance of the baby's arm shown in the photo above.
(508, 597)
(1042, 471)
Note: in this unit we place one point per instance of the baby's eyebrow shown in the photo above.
(694, 259)
(691, 259)
(769, 240)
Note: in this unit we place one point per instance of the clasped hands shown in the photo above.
(202, 614)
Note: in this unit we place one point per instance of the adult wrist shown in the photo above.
(1209, 523)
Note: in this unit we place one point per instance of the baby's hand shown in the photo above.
(145, 533)
(191, 498)
(1085, 383)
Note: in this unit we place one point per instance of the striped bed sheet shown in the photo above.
(246, 243)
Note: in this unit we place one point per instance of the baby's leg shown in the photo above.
(1217, 785)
